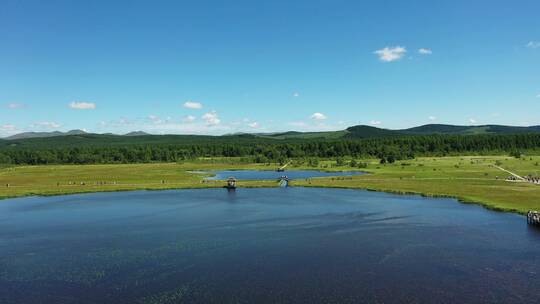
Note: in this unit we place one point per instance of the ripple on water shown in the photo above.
(295, 245)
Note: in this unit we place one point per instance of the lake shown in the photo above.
(268, 245)
(270, 175)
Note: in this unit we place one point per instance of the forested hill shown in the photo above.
(108, 140)
(355, 132)
(94, 149)
(483, 129)
(371, 132)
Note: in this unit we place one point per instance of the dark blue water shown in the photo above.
(280, 245)
(270, 175)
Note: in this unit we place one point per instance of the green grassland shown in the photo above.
(68, 179)
(470, 179)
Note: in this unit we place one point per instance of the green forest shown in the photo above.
(103, 149)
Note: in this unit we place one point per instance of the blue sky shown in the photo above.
(215, 67)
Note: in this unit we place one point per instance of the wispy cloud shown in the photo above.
(193, 105)
(538, 96)
(318, 116)
(472, 120)
(158, 120)
(15, 105)
(46, 125)
(189, 119)
(189, 128)
(189, 124)
(82, 105)
(312, 126)
(297, 124)
(432, 118)
(424, 51)
(375, 122)
(211, 118)
(296, 94)
(8, 127)
(389, 54)
(123, 125)
(533, 44)
(254, 125)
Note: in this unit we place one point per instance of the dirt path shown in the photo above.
(512, 173)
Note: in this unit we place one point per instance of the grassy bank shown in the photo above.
(470, 179)
(69, 179)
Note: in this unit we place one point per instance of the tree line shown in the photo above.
(272, 150)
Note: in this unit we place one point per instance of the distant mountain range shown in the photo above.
(44, 134)
(363, 131)
(360, 131)
(58, 133)
(136, 133)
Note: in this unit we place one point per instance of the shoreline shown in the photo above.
(468, 179)
(429, 195)
(272, 184)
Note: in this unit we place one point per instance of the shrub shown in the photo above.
(362, 165)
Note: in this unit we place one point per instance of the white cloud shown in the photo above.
(533, 44)
(472, 120)
(424, 51)
(318, 116)
(389, 54)
(8, 129)
(254, 125)
(432, 118)
(375, 122)
(189, 119)
(211, 118)
(82, 105)
(296, 94)
(193, 105)
(47, 125)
